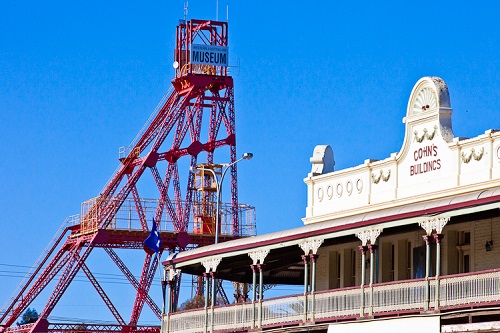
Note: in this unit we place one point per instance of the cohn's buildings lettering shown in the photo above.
(426, 159)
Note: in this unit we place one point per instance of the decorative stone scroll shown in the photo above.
(311, 245)
(211, 264)
(431, 224)
(425, 135)
(369, 235)
(258, 256)
(322, 160)
(385, 178)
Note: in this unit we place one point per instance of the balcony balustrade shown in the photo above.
(410, 296)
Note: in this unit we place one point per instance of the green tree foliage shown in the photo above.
(29, 316)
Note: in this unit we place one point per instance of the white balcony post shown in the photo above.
(365, 236)
(305, 258)
(214, 296)
(170, 279)
(261, 290)
(207, 286)
(257, 262)
(372, 248)
(310, 246)
(254, 293)
(169, 303)
(363, 249)
(438, 238)
(427, 270)
(314, 258)
(429, 225)
(170, 295)
(210, 269)
(164, 284)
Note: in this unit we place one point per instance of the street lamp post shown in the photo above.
(218, 184)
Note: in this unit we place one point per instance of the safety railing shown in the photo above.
(127, 217)
(464, 290)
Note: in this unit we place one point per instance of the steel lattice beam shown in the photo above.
(119, 263)
(103, 295)
(174, 132)
(147, 276)
(47, 256)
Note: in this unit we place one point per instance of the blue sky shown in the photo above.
(79, 79)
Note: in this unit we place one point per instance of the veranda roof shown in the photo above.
(235, 252)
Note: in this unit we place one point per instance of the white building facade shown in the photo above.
(411, 241)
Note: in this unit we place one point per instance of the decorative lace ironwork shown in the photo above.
(431, 224)
(258, 256)
(311, 246)
(369, 235)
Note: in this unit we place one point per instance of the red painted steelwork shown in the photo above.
(199, 91)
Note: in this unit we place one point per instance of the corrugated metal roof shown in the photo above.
(401, 215)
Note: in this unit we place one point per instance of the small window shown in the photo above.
(464, 238)
(467, 237)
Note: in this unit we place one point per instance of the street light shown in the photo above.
(218, 184)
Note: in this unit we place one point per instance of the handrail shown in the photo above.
(127, 217)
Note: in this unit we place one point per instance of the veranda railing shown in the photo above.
(411, 295)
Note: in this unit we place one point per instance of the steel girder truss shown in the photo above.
(179, 120)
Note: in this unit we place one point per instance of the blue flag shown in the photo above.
(152, 244)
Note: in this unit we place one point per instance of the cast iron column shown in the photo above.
(427, 270)
(372, 248)
(363, 277)
(314, 258)
(305, 258)
(438, 238)
(261, 291)
(254, 293)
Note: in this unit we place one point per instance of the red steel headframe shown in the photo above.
(199, 91)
